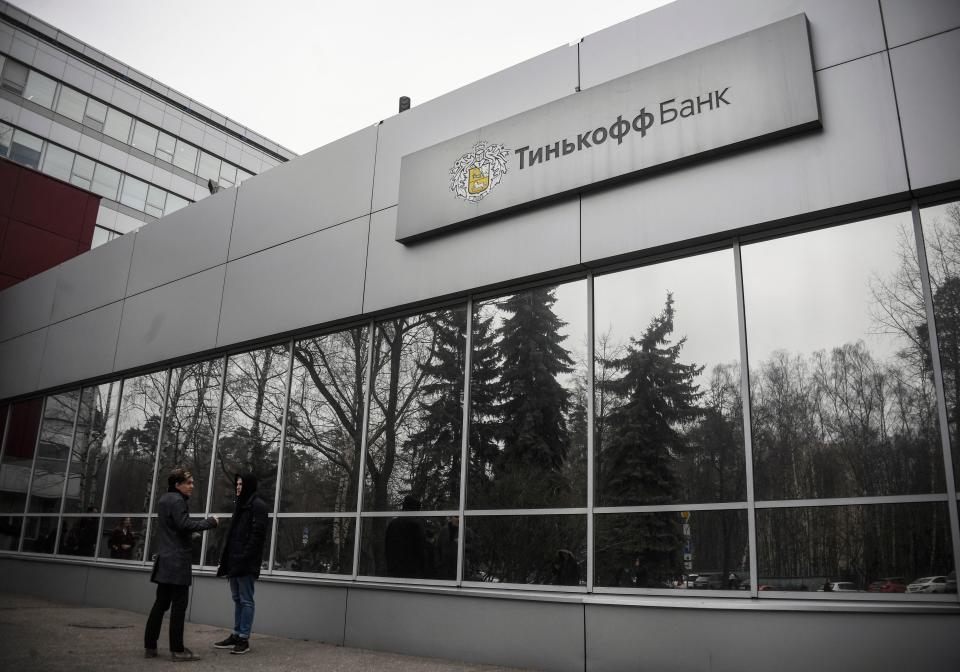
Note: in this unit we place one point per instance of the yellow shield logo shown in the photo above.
(477, 182)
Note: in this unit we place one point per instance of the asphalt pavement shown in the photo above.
(37, 634)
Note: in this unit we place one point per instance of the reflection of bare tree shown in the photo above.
(251, 420)
(134, 452)
(88, 462)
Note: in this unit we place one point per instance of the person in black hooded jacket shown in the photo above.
(240, 559)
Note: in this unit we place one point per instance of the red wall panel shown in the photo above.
(28, 250)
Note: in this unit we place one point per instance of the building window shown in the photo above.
(156, 200)
(71, 103)
(106, 181)
(186, 157)
(14, 76)
(6, 139)
(174, 203)
(58, 162)
(209, 167)
(145, 137)
(96, 115)
(134, 193)
(166, 147)
(117, 125)
(40, 89)
(82, 173)
(26, 149)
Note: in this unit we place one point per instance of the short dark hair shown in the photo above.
(178, 476)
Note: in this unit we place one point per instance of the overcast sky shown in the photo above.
(306, 72)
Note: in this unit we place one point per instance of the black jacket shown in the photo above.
(175, 530)
(242, 551)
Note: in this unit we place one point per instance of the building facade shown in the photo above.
(637, 355)
(78, 115)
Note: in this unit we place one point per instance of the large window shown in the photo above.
(499, 442)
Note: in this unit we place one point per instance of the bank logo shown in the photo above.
(477, 172)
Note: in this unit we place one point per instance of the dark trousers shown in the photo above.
(168, 596)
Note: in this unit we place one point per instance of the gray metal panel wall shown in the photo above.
(513, 247)
(174, 320)
(311, 612)
(928, 93)
(93, 279)
(328, 186)
(840, 32)
(120, 589)
(521, 633)
(20, 360)
(307, 281)
(697, 640)
(81, 347)
(188, 241)
(856, 157)
(909, 20)
(534, 82)
(54, 581)
(27, 305)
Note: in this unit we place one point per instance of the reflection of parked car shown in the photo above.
(892, 584)
(712, 580)
(951, 584)
(928, 584)
(840, 587)
(691, 579)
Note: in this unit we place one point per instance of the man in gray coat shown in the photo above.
(172, 565)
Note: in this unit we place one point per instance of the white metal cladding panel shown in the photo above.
(93, 279)
(522, 87)
(81, 347)
(308, 281)
(840, 31)
(928, 93)
(20, 363)
(328, 186)
(174, 320)
(188, 241)
(524, 244)
(909, 20)
(26, 305)
(856, 157)
(521, 633)
(705, 640)
(299, 611)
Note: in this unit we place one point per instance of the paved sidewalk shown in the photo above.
(37, 634)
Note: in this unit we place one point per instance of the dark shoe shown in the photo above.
(242, 646)
(149, 653)
(184, 656)
(227, 643)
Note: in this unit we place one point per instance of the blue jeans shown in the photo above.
(241, 588)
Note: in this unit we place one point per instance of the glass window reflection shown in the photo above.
(325, 423)
(123, 538)
(705, 550)
(18, 453)
(39, 534)
(250, 423)
(53, 451)
(416, 412)
(669, 413)
(135, 447)
(528, 415)
(57, 162)
(842, 400)
(91, 447)
(941, 234)
(404, 547)
(40, 89)
(545, 550)
(872, 547)
(71, 103)
(189, 426)
(315, 545)
(79, 536)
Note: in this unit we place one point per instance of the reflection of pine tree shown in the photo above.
(656, 395)
(535, 405)
(437, 444)
(484, 408)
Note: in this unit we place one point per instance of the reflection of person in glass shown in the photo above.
(406, 544)
(566, 569)
(172, 570)
(241, 557)
(122, 540)
(86, 534)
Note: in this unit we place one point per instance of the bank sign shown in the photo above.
(748, 89)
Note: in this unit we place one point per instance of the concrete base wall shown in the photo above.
(561, 633)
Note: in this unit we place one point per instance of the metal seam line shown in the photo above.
(214, 450)
(33, 466)
(285, 409)
(590, 423)
(66, 471)
(106, 483)
(465, 440)
(156, 461)
(362, 457)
